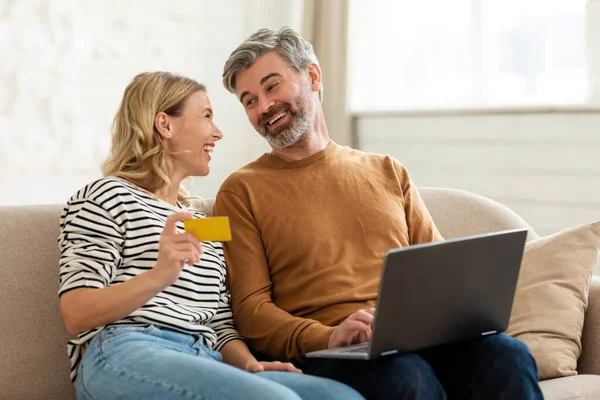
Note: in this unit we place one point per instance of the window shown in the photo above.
(427, 54)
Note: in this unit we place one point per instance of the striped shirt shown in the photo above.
(109, 233)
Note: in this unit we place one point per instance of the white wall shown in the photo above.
(544, 164)
(64, 65)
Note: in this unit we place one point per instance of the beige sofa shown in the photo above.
(33, 356)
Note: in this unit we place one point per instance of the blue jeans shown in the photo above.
(153, 363)
(494, 367)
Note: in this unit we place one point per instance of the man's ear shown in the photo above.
(162, 125)
(314, 73)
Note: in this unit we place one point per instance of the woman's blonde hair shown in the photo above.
(138, 152)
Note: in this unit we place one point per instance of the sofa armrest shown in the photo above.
(589, 362)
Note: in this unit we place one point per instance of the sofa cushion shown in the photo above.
(582, 387)
(552, 297)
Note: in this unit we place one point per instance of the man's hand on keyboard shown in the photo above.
(354, 329)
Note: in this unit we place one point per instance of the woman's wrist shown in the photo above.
(155, 280)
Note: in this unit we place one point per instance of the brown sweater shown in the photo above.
(308, 242)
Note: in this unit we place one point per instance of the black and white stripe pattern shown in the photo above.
(109, 233)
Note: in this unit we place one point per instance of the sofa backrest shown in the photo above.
(459, 213)
(32, 336)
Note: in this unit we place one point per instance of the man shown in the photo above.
(311, 221)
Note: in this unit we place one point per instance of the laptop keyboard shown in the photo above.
(359, 349)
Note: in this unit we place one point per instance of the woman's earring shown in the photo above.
(168, 134)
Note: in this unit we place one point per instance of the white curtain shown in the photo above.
(592, 19)
(325, 25)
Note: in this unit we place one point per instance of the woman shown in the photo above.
(147, 300)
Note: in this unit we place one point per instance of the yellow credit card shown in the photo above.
(211, 229)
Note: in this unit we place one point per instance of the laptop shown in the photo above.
(439, 293)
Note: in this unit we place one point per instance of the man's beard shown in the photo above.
(300, 123)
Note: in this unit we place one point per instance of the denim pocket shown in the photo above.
(204, 351)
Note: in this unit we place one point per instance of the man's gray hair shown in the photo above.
(286, 42)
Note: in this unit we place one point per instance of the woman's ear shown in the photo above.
(162, 124)
(314, 73)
